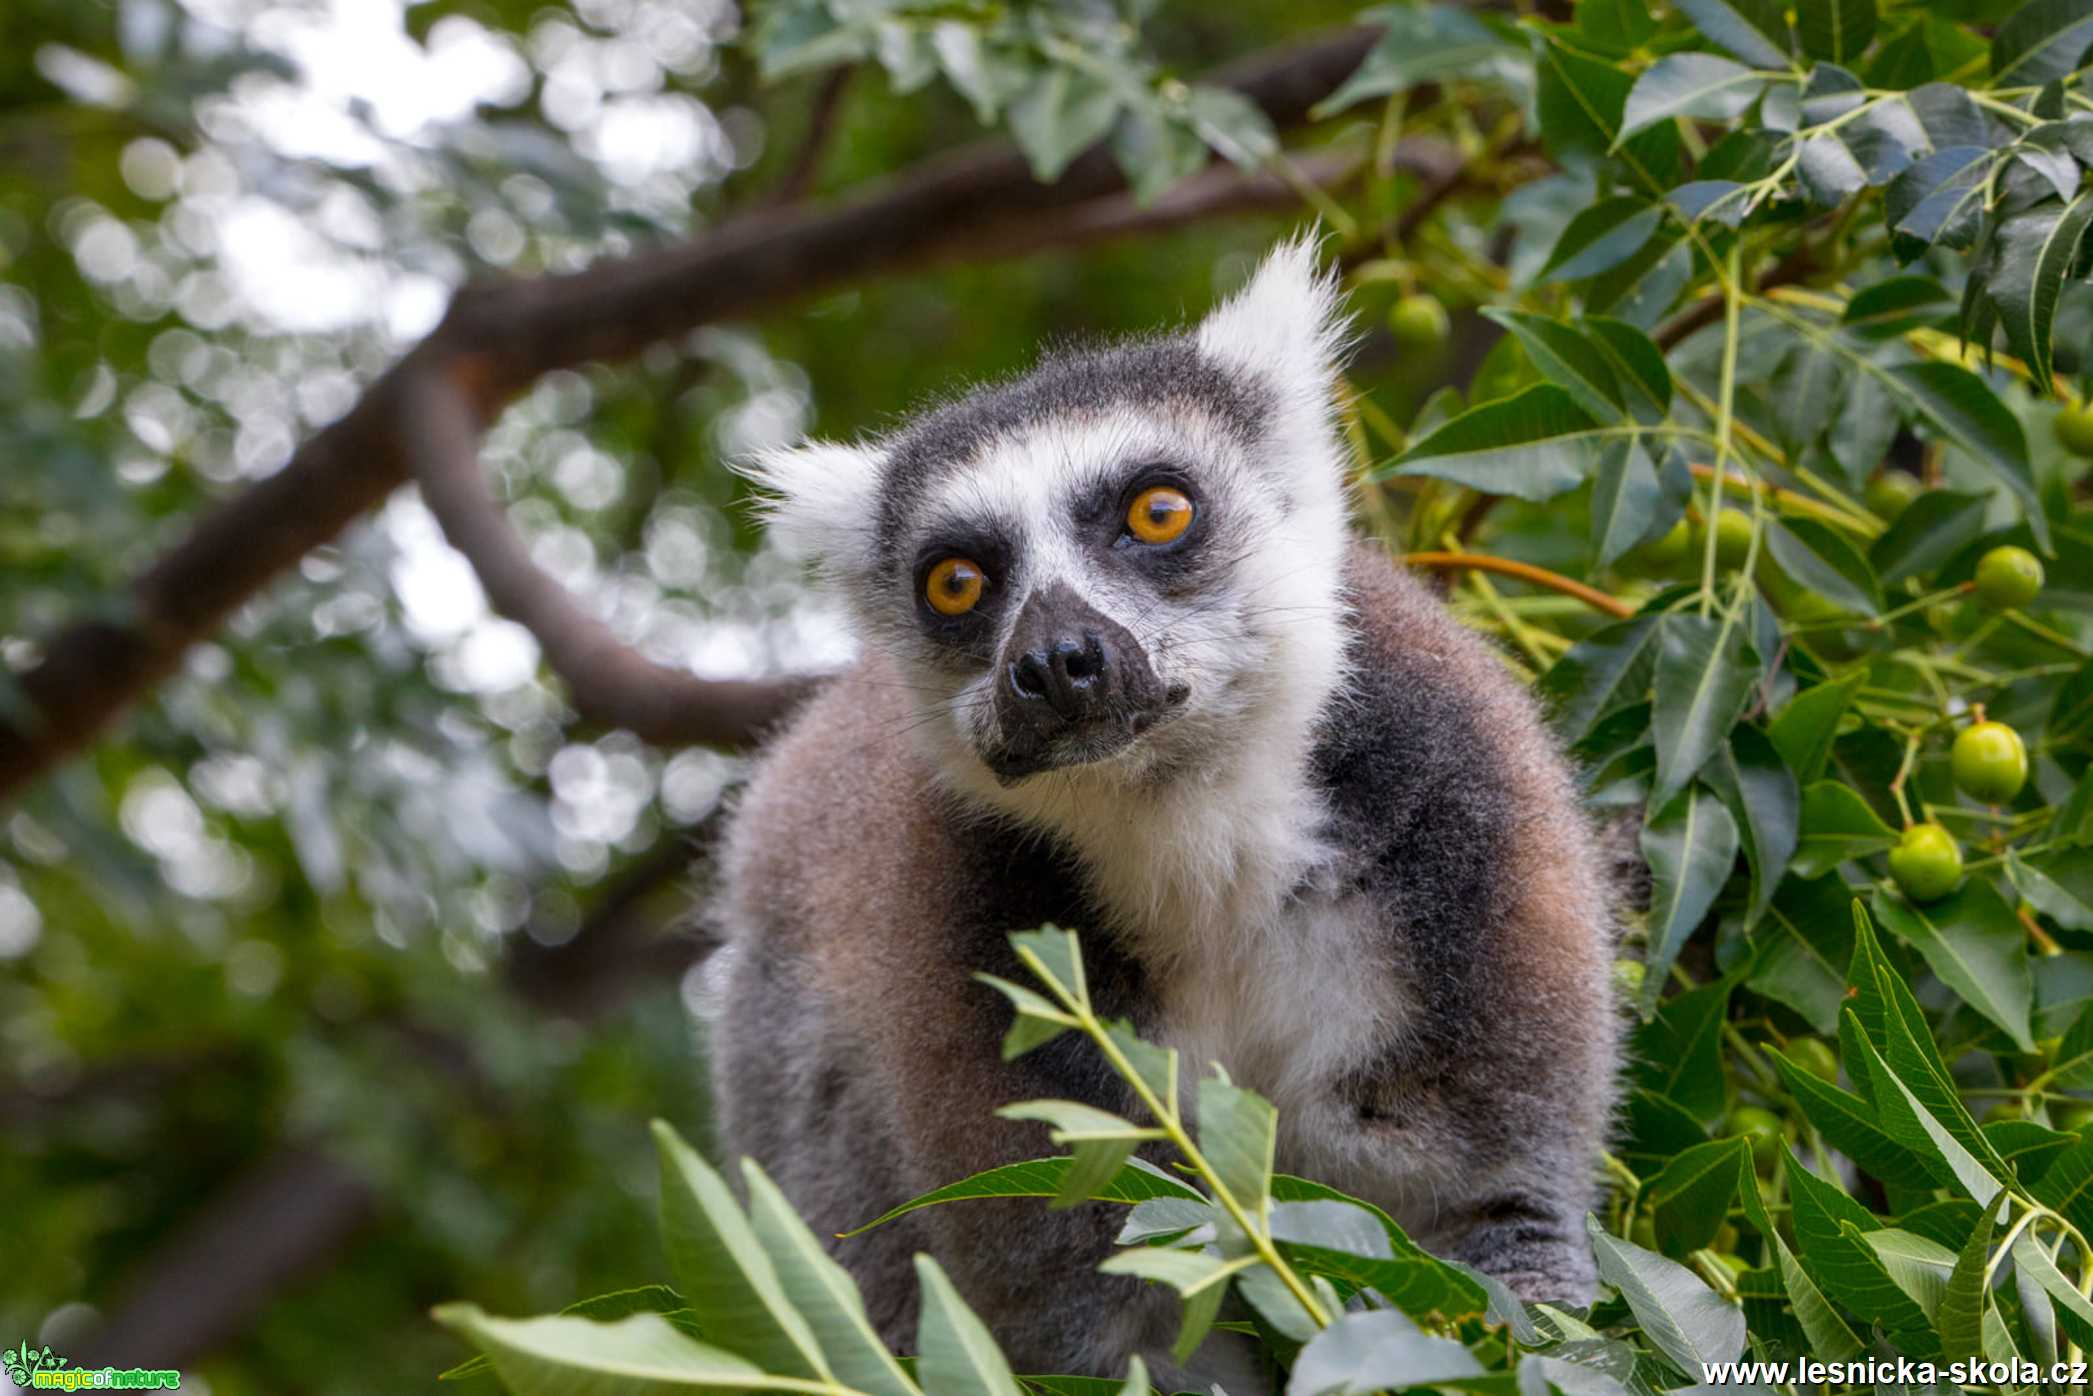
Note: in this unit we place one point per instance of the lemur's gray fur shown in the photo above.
(1309, 826)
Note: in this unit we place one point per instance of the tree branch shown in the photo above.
(608, 681)
(500, 336)
(799, 176)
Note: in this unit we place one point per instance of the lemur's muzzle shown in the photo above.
(1075, 686)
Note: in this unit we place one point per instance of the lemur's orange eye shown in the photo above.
(1159, 515)
(954, 587)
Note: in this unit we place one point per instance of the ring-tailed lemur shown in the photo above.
(1125, 670)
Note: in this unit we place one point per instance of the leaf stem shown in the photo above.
(1172, 1123)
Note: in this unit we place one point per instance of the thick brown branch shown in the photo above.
(500, 337)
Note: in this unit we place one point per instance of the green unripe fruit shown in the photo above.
(1762, 1128)
(1926, 863)
(2076, 1119)
(2008, 578)
(1892, 492)
(1735, 1264)
(1644, 1232)
(2004, 1112)
(1726, 1238)
(1667, 555)
(1418, 321)
(1990, 762)
(1628, 976)
(1732, 540)
(1814, 1055)
(2075, 428)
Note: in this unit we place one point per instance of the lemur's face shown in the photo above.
(1106, 564)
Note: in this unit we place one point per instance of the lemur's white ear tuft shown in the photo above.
(1285, 325)
(823, 498)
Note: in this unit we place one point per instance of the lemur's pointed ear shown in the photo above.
(822, 498)
(1284, 326)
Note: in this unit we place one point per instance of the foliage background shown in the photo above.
(340, 977)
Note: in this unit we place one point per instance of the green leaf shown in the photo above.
(2071, 1065)
(984, 79)
(2034, 252)
(1935, 527)
(1838, 826)
(1835, 31)
(1848, 1125)
(1919, 1266)
(1960, 1316)
(1761, 795)
(1037, 1023)
(1626, 496)
(1638, 366)
(1848, 1269)
(1607, 670)
(2066, 1186)
(822, 1291)
(1061, 114)
(1534, 445)
(1829, 1337)
(1155, 151)
(1601, 237)
(1684, 1319)
(1562, 355)
(1940, 196)
(1892, 306)
(1754, 30)
(2072, 825)
(1688, 84)
(1187, 1271)
(1802, 947)
(1235, 127)
(1377, 1350)
(2040, 42)
(1705, 673)
(1678, 1053)
(2074, 1310)
(1825, 562)
(1042, 1177)
(956, 1355)
(1420, 43)
(1692, 1195)
(1807, 390)
(2059, 885)
(639, 1355)
(1056, 958)
(1238, 1133)
(1165, 1216)
(1911, 1124)
(722, 1270)
(1803, 731)
(2071, 715)
(1691, 845)
(1155, 1066)
(603, 1308)
(1977, 946)
(1579, 101)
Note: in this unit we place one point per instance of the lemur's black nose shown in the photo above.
(1075, 685)
(1069, 674)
